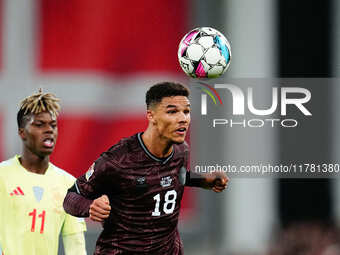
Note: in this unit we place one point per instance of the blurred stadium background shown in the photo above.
(99, 57)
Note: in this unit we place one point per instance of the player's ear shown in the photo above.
(21, 132)
(150, 116)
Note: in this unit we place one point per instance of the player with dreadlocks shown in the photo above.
(32, 189)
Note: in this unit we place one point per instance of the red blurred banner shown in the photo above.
(82, 138)
(121, 37)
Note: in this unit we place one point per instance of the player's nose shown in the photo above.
(49, 129)
(183, 117)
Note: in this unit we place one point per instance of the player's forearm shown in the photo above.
(199, 183)
(205, 181)
(195, 180)
(216, 181)
(77, 205)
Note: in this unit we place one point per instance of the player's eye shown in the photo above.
(171, 111)
(39, 124)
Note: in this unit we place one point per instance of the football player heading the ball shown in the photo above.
(135, 188)
(32, 189)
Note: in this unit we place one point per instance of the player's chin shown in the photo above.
(178, 140)
(46, 152)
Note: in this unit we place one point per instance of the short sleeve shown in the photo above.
(73, 225)
(98, 179)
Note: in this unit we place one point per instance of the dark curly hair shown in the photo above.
(164, 89)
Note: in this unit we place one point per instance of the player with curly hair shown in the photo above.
(32, 189)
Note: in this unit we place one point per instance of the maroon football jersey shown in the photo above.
(145, 195)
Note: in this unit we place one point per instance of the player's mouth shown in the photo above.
(48, 142)
(181, 131)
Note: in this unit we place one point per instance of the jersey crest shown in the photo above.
(38, 193)
(166, 181)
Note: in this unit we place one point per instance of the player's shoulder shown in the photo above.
(9, 163)
(122, 149)
(61, 173)
(10, 167)
(6, 163)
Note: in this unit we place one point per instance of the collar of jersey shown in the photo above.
(162, 160)
(17, 161)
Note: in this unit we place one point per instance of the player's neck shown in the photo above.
(33, 163)
(157, 146)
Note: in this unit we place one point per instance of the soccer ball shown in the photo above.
(204, 53)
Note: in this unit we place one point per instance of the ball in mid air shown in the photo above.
(204, 53)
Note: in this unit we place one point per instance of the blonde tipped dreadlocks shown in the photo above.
(38, 103)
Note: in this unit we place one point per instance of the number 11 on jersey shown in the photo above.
(34, 215)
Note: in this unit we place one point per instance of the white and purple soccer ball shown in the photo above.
(204, 52)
